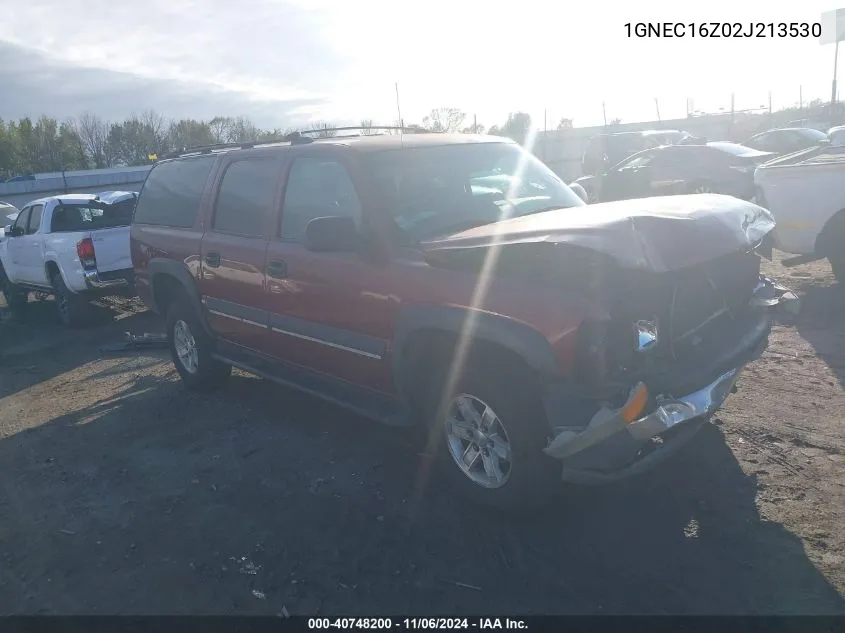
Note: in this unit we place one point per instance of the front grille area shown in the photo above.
(691, 306)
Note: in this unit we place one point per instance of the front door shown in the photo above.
(329, 312)
(16, 247)
(233, 249)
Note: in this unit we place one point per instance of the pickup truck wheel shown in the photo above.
(74, 310)
(488, 440)
(16, 298)
(191, 348)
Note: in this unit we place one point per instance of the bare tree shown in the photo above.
(444, 120)
(324, 129)
(564, 124)
(366, 127)
(475, 128)
(94, 133)
(221, 128)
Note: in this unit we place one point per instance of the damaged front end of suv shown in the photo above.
(682, 310)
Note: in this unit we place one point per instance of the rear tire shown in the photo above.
(526, 479)
(74, 311)
(191, 348)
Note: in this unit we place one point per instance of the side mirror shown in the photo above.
(14, 232)
(334, 234)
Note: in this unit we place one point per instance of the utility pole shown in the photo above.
(770, 103)
(545, 134)
(474, 124)
(657, 107)
(833, 83)
(398, 109)
(604, 113)
(801, 99)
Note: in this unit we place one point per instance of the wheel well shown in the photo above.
(52, 269)
(428, 350)
(834, 228)
(166, 288)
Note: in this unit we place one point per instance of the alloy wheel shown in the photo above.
(478, 441)
(185, 346)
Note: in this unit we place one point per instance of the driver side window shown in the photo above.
(642, 160)
(21, 221)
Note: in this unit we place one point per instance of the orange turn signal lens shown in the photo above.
(636, 403)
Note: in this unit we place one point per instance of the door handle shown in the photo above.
(277, 269)
(212, 259)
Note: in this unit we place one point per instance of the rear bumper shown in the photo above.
(112, 280)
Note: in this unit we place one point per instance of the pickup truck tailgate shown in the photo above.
(111, 248)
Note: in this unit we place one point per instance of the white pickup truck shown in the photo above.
(74, 246)
(805, 192)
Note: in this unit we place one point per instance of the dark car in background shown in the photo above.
(605, 150)
(717, 167)
(786, 140)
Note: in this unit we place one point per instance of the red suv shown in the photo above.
(455, 283)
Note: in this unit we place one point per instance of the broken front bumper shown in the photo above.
(618, 443)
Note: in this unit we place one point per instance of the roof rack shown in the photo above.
(294, 138)
(361, 128)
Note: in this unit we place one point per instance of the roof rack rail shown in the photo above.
(411, 130)
(293, 138)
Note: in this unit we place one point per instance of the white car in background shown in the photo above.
(805, 192)
(74, 246)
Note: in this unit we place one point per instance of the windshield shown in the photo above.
(431, 191)
(77, 217)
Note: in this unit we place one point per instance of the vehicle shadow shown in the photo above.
(822, 324)
(255, 499)
(34, 347)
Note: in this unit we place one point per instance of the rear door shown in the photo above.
(31, 254)
(234, 245)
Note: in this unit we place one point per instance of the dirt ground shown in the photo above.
(120, 492)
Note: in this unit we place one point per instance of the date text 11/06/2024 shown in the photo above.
(414, 624)
(724, 29)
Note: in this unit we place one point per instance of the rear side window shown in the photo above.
(172, 193)
(245, 198)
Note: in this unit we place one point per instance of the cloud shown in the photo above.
(33, 84)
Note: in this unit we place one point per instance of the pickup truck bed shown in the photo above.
(74, 246)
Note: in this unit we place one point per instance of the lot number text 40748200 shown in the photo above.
(414, 624)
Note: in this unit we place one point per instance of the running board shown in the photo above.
(364, 402)
(800, 259)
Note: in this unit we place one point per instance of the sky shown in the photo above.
(290, 62)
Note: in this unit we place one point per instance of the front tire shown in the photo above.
(191, 349)
(488, 436)
(16, 298)
(74, 310)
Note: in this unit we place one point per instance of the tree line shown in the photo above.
(91, 142)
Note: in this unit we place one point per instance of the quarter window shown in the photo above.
(246, 196)
(172, 192)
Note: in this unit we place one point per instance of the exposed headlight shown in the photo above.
(646, 333)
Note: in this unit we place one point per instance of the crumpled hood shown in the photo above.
(656, 234)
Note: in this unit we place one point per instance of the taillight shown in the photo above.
(85, 250)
